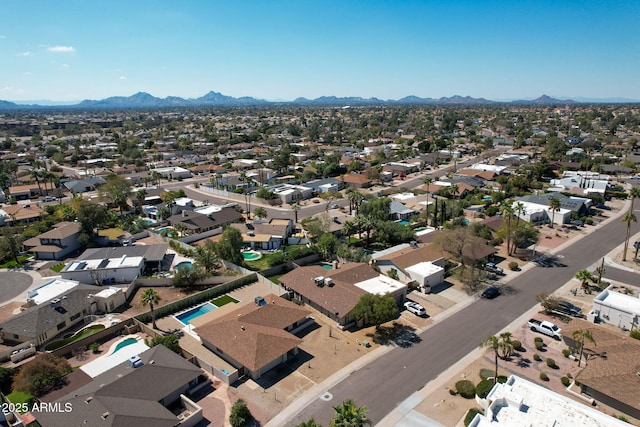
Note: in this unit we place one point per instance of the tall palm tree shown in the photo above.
(506, 210)
(518, 210)
(584, 276)
(260, 212)
(427, 180)
(554, 206)
(493, 343)
(295, 208)
(349, 415)
(140, 196)
(634, 193)
(579, 336)
(151, 298)
(506, 347)
(628, 218)
(206, 257)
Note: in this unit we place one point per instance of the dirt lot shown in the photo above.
(167, 295)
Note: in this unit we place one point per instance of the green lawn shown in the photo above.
(58, 268)
(224, 300)
(84, 333)
(19, 397)
(275, 278)
(12, 263)
(290, 252)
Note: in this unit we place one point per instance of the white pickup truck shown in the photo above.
(545, 327)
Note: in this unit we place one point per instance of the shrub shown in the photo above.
(240, 414)
(620, 417)
(483, 388)
(537, 357)
(513, 266)
(566, 352)
(94, 347)
(42, 374)
(565, 381)
(539, 345)
(452, 392)
(569, 375)
(635, 334)
(517, 345)
(544, 377)
(502, 379)
(538, 339)
(471, 415)
(487, 373)
(551, 363)
(466, 389)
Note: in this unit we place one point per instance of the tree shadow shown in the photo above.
(282, 371)
(522, 362)
(401, 335)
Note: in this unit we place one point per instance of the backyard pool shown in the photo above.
(189, 315)
(251, 255)
(187, 264)
(169, 231)
(124, 343)
(405, 223)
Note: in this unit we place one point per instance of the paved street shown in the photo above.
(13, 284)
(390, 379)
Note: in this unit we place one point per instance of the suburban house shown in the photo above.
(400, 212)
(148, 390)
(617, 309)
(102, 271)
(586, 182)
(77, 186)
(354, 180)
(610, 374)
(289, 193)
(55, 244)
(519, 402)
(172, 172)
(265, 235)
(204, 219)
(424, 264)
(540, 213)
(256, 338)
(153, 255)
(19, 214)
(55, 307)
(324, 185)
(336, 292)
(24, 192)
(573, 204)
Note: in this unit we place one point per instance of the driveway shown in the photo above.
(13, 284)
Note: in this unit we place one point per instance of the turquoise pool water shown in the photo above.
(183, 264)
(405, 223)
(489, 198)
(124, 343)
(251, 255)
(188, 316)
(326, 266)
(170, 231)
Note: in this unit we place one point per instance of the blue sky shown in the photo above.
(74, 50)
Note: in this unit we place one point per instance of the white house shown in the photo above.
(173, 172)
(104, 270)
(520, 402)
(534, 212)
(427, 274)
(617, 308)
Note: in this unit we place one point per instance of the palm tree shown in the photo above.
(493, 343)
(206, 257)
(295, 208)
(151, 298)
(349, 415)
(518, 210)
(628, 218)
(427, 180)
(633, 193)
(506, 210)
(584, 276)
(140, 196)
(554, 206)
(505, 345)
(579, 336)
(310, 423)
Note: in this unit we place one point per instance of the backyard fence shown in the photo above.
(109, 332)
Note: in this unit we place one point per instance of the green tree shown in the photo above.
(42, 374)
(493, 343)
(375, 309)
(205, 256)
(628, 218)
(260, 212)
(634, 193)
(9, 246)
(151, 298)
(554, 206)
(347, 414)
(295, 208)
(91, 217)
(170, 341)
(327, 244)
(310, 423)
(240, 414)
(506, 346)
(117, 189)
(230, 246)
(140, 197)
(584, 276)
(580, 336)
(187, 276)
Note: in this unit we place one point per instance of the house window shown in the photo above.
(74, 317)
(61, 325)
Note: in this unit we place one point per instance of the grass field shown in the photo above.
(224, 300)
(82, 334)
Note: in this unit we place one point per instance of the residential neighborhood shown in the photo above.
(171, 263)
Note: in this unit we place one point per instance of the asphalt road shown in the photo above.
(387, 381)
(13, 284)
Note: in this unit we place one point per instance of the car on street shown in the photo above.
(415, 308)
(48, 199)
(569, 308)
(491, 292)
(492, 268)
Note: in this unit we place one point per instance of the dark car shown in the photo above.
(570, 308)
(491, 292)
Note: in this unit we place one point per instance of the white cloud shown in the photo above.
(66, 66)
(23, 54)
(62, 49)
(123, 78)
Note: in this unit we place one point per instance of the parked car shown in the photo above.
(415, 308)
(545, 327)
(570, 308)
(492, 268)
(48, 199)
(605, 207)
(491, 292)
(577, 222)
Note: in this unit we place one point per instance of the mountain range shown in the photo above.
(216, 99)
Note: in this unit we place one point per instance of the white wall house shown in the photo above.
(534, 212)
(617, 309)
(104, 271)
(427, 274)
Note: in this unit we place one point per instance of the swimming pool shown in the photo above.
(187, 264)
(405, 223)
(170, 231)
(124, 343)
(251, 255)
(189, 315)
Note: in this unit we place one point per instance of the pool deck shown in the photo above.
(110, 360)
